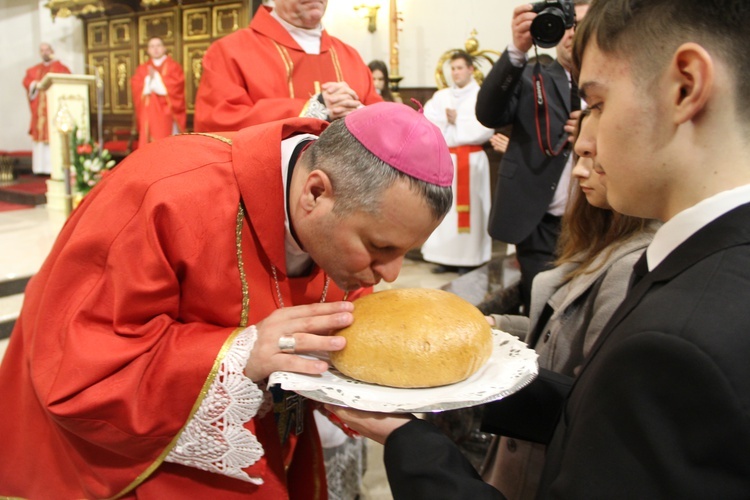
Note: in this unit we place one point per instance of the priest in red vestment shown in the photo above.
(159, 95)
(192, 271)
(39, 127)
(283, 65)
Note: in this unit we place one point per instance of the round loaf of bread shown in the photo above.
(414, 337)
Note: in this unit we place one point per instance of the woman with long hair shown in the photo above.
(380, 79)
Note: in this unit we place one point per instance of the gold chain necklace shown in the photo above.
(278, 289)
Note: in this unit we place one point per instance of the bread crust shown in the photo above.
(414, 337)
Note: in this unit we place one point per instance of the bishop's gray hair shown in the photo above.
(359, 178)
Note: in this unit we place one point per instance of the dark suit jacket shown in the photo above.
(661, 408)
(528, 178)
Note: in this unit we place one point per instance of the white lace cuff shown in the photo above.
(315, 108)
(215, 439)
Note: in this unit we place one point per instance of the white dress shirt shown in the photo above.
(682, 226)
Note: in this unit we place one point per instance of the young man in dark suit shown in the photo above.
(532, 188)
(661, 409)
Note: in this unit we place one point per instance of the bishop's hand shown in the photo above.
(290, 331)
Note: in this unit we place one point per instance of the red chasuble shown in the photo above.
(39, 128)
(124, 325)
(155, 114)
(260, 74)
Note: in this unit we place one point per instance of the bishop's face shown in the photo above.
(301, 13)
(361, 249)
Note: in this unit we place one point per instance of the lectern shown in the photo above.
(71, 92)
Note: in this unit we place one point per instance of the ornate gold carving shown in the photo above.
(100, 63)
(227, 19)
(154, 3)
(193, 64)
(161, 25)
(120, 72)
(471, 46)
(97, 35)
(79, 110)
(196, 24)
(120, 32)
(67, 8)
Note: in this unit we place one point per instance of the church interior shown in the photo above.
(103, 41)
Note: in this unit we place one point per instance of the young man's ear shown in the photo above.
(692, 75)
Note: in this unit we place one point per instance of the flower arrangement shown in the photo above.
(88, 163)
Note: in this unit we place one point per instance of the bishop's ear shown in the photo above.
(317, 190)
(692, 75)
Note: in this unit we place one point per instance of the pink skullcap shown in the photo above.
(404, 139)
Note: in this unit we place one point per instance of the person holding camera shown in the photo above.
(541, 104)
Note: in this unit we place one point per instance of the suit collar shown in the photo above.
(729, 230)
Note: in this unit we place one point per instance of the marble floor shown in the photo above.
(26, 237)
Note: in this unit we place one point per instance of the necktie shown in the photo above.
(640, 269)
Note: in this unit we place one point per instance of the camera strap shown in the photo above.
(541, 109)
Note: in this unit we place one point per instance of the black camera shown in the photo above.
(554, 17)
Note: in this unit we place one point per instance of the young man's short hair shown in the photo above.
(647, 33)
(460, 54)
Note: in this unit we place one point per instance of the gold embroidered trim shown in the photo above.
(204, 392)
(243, 279)
(463, 208)
(337, 65)
(289, 64)
(304, 109)
(223, 139)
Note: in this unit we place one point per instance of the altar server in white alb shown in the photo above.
(461, 242)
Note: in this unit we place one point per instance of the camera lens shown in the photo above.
(548, 28)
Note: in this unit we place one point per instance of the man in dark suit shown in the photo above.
(532, 188)
(661, 408)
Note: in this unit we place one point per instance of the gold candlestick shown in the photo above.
(394, 77)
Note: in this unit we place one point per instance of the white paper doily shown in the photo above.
(511, 366)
